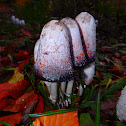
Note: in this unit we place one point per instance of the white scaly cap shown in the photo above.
(36, 49)
(77, 47)
(54, 58)
(88, 73)
(87, 26)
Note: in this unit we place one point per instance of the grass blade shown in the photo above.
(97, 118)
(45, 97)
(121, 83)
(51, 113)
(5, 124)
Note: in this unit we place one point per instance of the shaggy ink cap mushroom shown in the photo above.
(121, 106)
(36, 49)
(88, 73)
(87, 27)
(77, 47)
(53, 62)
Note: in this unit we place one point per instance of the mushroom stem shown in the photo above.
(69, 88)
(63, 86)
(80, 89)
(53, 92)
(48, 84)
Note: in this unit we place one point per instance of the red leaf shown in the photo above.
(123, 57)
(40, 105)
(15, 90)
(27, 33)
(5, 102)
(22, 55)
(11, 119)
(118, 71)
(22, 64)
(21, 102)
(5, 61)
(29, 107)
(30, 104)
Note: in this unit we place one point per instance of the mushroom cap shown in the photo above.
(17, 21)
(36, 49)
(88, 73)
(13, 19)
(77, 47)
(53, 62)
(22, 23)
(121, 106)
(87, 26)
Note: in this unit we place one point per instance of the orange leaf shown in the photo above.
(64, 119)
(11, 119)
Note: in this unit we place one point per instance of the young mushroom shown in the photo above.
(87, 25)
(77, 48)
(53, 63)
(121, 106)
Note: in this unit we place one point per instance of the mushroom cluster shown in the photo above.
(66, 49)
(17, 21)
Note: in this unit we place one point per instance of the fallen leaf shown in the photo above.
(22, 55)
(108, 105)
(119, 72)
(123, 57)
(40, 105)
(25, 32)
(6, 62)
(15, 90)
(5, 102)
(117, 61)
(22, 64)
(29, 107)
(11, 119)
(17, 76)
(63, 119)
(20, 103)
